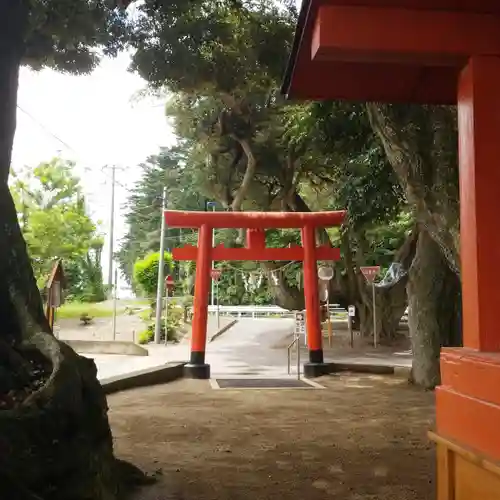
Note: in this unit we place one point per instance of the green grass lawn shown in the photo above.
(74, 310)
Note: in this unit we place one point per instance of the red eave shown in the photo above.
(353, 50)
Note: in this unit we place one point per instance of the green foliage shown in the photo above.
(242, 145)
(386, 239)
(51, 207)
(348, 155)
(61, 232)
(86, 319)
(143, 217)
(226, 45)
(239, 284)
(174, 319)
(64, 34)
(146, 272)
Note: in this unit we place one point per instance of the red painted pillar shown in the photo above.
(197, 368)
(468, 401)
(313, 322)
(479, 153)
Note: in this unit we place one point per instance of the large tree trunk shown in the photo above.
(433, 310)
(390, 306)
(390, 301)
(421, 145)
(55, 440)
(285, 295)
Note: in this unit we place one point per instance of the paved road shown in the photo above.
(251, 347)
(247, 349)
(244, 349)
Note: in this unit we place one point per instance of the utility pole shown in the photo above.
(111, 229)
(115, 298)
(161, 265)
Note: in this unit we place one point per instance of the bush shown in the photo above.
(146, 272)
(148, 335)
(92, 296)
(174, 321)
(86, 319)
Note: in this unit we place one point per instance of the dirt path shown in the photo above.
(363, 438)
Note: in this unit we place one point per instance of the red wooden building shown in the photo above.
(433, 52)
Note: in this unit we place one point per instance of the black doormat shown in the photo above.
(263, 383)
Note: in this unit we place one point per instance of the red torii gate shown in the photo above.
(256, 223)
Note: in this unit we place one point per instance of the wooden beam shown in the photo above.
(396, 35)
(471, 455)
(405, 83)
(220, 252)
(256, 238)
(253, 220)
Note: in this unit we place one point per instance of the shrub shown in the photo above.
(148, 335)
(146, 272)
(174, 321)
(86, 319)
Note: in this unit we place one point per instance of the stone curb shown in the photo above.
(106, 347)
(397, 371)
(224, 329)
(142, 378)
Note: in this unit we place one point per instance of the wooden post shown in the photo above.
(197, 368)
(467, 401)
(313, 320)
(479, 149)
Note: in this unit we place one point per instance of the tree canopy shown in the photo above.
(247, 149)
(73, 35)
(52, 213)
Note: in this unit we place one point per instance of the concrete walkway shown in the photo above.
(252, 347)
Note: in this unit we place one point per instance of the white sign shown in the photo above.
(300, 323)
(325, 273)
(352, 311)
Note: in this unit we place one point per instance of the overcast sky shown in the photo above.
(95, 121)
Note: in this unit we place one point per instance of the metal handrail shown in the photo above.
(289, 348)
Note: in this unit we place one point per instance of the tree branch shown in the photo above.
(241, 193)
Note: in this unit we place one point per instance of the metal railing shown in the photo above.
(265, 311)
(289, 352)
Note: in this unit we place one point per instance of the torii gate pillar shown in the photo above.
(197, 368)
(311, 296)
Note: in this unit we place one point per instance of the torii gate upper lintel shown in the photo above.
(256, 223)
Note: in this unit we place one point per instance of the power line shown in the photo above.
(64, 143)
(46, 129)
